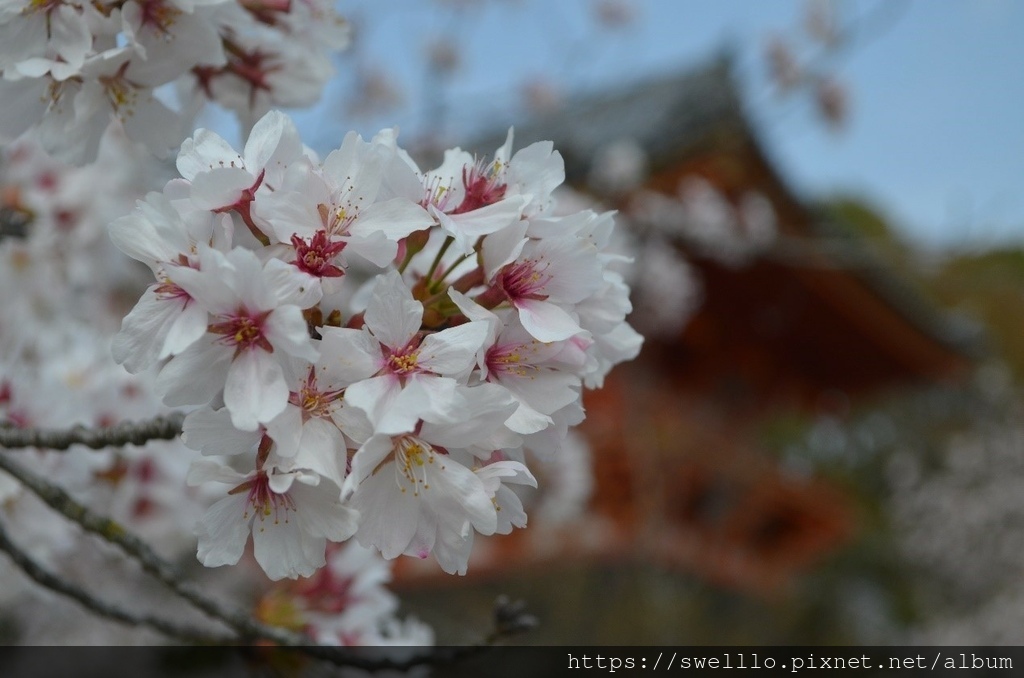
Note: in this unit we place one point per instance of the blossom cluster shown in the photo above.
(68, 67)
(369, 349)
(68, 289)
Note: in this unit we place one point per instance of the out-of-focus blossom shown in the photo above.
(375, 92)
(833, 101)
(443, 57)
(783, 68)
(822, 22)
(618, 168)
(707, 222)
(666, 289)
(346, 603)
(615, 14)
(542, 97)
(69, 71)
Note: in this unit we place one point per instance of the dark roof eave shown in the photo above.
(666, 116)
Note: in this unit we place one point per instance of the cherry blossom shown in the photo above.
(337, 205)
(542, 279)
(414, 376)
(379, 352)
(69, 71)
(290, 516)
(346, 602)
(415, 498)
(524, 366)
(252, 316)
(167, 320)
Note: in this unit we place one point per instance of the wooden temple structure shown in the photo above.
(803, 327)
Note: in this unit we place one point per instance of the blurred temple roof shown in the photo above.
(812, 322)
(667, 117)
(693, 121)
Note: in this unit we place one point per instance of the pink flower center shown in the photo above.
(402, 364)
(244, 331)
(159, 15)
(509, 359)
(328, 592)
(253, 67)
(170, 290)
(484, 186)
(121, 93)
(436, 194)
(315, 257)
(403, 361)
(524, 280)
(413, 457)
(263, 501)
(47, 6)
(337, 218)
(313, 402)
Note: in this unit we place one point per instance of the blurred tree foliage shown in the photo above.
(893, 451)
(867, 224)
(986, 285)
(989, 287)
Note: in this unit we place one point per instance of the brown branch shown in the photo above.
(119, 435)
(48, 580)
(151, 562)
(509, 618)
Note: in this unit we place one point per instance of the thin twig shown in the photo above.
(119, 435)
(151, 562)
(509, 618)
(50, 581)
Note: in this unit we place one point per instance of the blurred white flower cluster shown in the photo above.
(708, 222)
(958, 519)
(368, 349)
(346, 603)
(67, 69)
(61, 278)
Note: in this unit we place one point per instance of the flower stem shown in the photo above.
(437, 260)
(435, 285)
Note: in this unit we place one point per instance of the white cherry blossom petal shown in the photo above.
(452, 351)
(282, 550)
(255, 390)
(393, 315)
(212, 432)
(222, 532)
(547, 321)
(195, 375)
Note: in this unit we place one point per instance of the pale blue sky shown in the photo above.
(935, 136)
